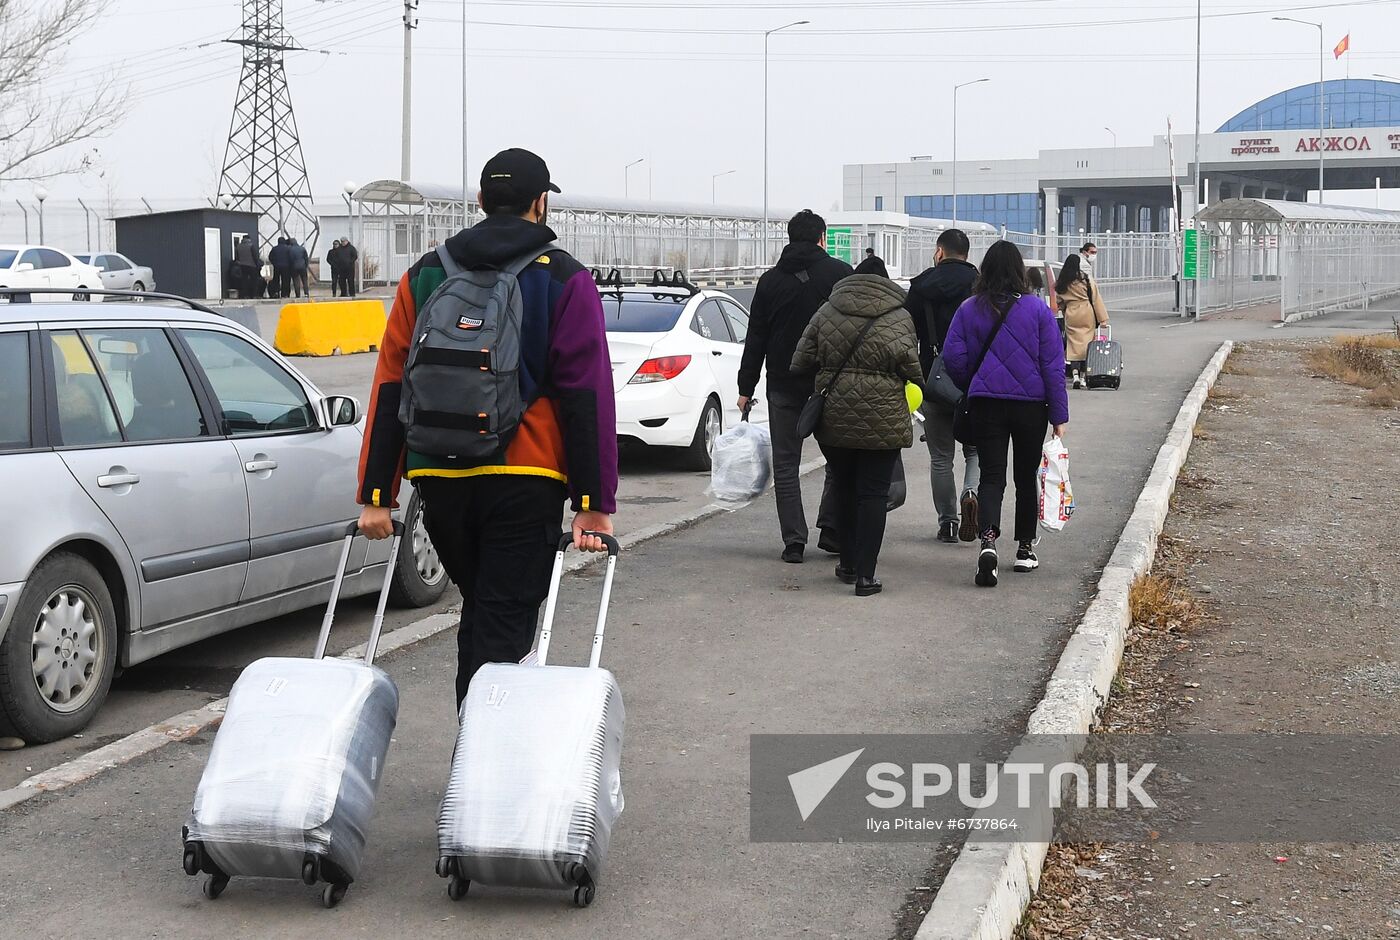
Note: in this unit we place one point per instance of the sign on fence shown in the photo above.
(1196, 261)
(840, 244)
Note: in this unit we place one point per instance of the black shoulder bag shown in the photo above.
(810, 418)
(964, 431)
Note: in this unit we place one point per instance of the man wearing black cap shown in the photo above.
(496, 522)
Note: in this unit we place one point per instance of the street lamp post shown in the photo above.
(1115, 137)
(40, 193)
(627, 177)
(1321, 95)
(764, 260)
(975, 81)
(713, 179)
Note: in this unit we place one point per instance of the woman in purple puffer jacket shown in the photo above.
(1013, 395)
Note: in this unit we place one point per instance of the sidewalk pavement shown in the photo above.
(712, 640)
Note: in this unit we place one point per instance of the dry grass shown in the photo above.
(1220, 393)
(1158, 602)
(1368, 362)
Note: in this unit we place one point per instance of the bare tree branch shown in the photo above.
(38, 130)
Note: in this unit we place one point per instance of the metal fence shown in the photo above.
(1284, 260)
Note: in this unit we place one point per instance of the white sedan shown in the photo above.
(38, 266)
(675, 362)
(119, 272)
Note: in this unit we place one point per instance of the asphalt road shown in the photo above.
(712, 640)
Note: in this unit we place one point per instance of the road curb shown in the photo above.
(990, 885)
(187, 724)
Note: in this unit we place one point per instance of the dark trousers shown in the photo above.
(1021, 425)
(298, 279)
(861, 488)
(341, 284)
(496, 536)
(282, 278)
(783, 408)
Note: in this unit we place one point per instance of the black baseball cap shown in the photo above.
(516, 176)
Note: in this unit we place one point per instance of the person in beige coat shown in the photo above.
(1084, 312)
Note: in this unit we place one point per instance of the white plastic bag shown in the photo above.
(1056, 495)
(741, 465)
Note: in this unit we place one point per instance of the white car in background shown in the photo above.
(119, 272)
(675, 353)
(39, 266)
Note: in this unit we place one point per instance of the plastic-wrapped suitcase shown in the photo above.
(292, 778)
(1104, 366)
(536, 786)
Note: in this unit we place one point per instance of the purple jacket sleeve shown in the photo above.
(581, 373)
(1052, 366)
(955, 348)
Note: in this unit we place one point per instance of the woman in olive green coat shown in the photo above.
(865, 421)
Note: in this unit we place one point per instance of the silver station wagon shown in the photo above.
(165, 476)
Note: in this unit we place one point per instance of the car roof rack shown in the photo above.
(678, 280)
(675, 287)
(21, 295)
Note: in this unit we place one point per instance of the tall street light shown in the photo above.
(40, 193)
(975, 81)
(1321, 93)
(764, 260)
(1115, 137)
(627, 177)
(713, 179)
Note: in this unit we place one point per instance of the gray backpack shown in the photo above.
(461, 383)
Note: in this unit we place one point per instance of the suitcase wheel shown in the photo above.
(457, 886)
(214, 886)
(194, 862)
(446, 865)
(333, 894)
(583, 895)
(310, 871)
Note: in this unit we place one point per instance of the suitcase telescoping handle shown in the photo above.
(373, 645)
(1106, 329)
(552, 602)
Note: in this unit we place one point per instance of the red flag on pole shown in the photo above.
(1342, 47)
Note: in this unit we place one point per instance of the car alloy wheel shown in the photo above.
(712, 430)
(68, 649)
(425, 556)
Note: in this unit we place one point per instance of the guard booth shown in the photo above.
(190, 250)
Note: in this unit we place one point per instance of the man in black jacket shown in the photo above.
(873, 264)
(299, 263)
(280, 259)
(349, 255)
(787, 297)
(934, 296)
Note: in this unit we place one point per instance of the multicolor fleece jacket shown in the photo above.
(569, 430)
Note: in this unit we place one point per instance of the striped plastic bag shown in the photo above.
(1056, 495)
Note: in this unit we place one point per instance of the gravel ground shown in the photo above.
(1284, 533)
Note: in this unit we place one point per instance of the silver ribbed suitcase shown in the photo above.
(1103, 367)
(291, 781)
(536, 786)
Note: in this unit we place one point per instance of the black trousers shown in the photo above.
(784, 405)
(1021, 426)
(282, 278)
(340, 285)
(860, 489)
(298, 279)
(496, 536)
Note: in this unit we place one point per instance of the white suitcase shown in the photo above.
(291, 781)
(536, 786)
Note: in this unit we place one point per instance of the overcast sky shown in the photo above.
(679, 82)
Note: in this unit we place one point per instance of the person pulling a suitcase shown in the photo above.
(494, 396)
(1078, 295)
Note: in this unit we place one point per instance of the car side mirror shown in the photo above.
(342, 410)
(24, 266)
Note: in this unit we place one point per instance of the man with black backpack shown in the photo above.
(493, 394)
(784, 303)
(934, 296)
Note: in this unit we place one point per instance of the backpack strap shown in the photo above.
(514, 268)
(449, 263)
